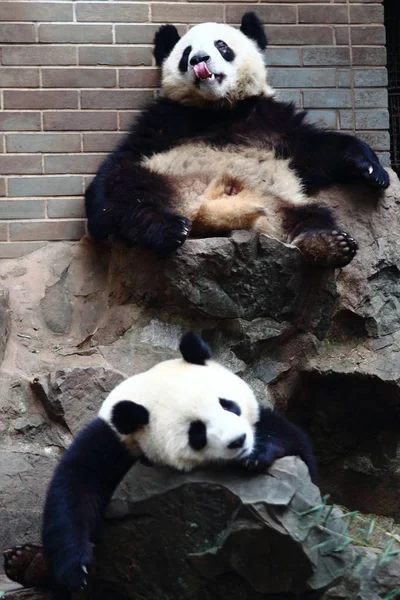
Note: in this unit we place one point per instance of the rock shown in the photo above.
(211, 535)
(211, 277)
(321, 345)
(24, 478)
(5, 321)
(29, 594)
(73, 397)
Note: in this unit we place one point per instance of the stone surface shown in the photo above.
(319, 344)
(223, 531)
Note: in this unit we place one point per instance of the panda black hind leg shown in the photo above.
(314, 230)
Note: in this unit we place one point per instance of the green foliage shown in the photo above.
(357, 530)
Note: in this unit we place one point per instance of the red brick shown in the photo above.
(370, 77)
(366, 14)
(24, 164)
(369, 56)
(17, 121)
(66, 208)
(47, 230)
(36, 11)
(3, 232)
(114, 12)
(371, 98)
(101, 142)
(73, 163)
(22, 209)
(369, 35)
(75, 32)
(115, 55)
(379, 140)
(327, 99)
(17, 33)
(138, 78)
(342, 36)
(272, 13)
(80, 121)
(326, 56)
(40, 99)
(377, 118)
(323, 14)
(186, 13)
(43, 142)
(126, 118)
(79, 78)
(17, 249)
(299, 35)
(115, 99)
(38, 55)
(19, 77)
(45, 185)
(140, 34)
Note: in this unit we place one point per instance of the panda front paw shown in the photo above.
(256, 464)
(73, 575)
(171, 234)
(262, 458)
(365, 164)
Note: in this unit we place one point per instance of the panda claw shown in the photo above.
(84, 569)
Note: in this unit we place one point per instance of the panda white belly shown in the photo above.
(235, 187)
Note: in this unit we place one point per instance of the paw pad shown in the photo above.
(327, 248)
(26, 565)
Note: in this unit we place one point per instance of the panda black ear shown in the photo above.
(127, 416)
(253, 28)
(164, 40)
(194, 349)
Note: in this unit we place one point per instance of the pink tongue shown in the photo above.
(201, 71)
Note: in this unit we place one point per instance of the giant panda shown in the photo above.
(182, 413)
(216, 151)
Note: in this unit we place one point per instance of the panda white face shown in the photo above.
(214, 62)
(197, 414)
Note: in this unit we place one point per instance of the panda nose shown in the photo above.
(198, 58)
(238, 443)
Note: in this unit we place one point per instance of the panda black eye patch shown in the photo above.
(230, 406)
(226, 52)
(183, 63)
(197, 435)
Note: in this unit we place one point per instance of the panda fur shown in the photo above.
(181, 413)
(216, 151)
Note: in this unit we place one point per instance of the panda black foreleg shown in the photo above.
(132, 204)
(315, 231)
(81, 487)
(323, 158)
(275, 438)
(361, 162)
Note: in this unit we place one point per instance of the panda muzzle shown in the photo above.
(201, 71)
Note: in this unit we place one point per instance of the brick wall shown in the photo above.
(75, 73)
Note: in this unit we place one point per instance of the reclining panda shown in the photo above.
(217, 152)
(182, 413)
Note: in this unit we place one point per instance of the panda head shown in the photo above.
(213, 63)
(185, 412)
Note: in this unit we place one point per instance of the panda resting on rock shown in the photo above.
(217, 152)
(182, 413)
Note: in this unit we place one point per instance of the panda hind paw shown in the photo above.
(326, 248)
(173, 232)
(26, 565)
